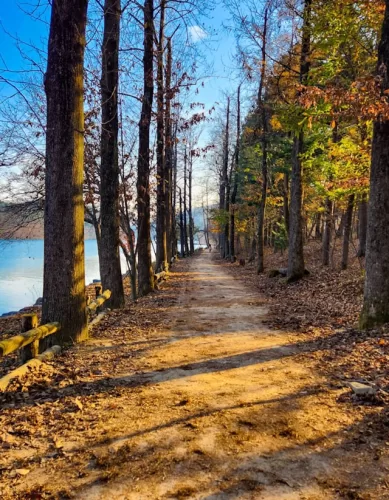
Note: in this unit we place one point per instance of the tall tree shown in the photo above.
(186, 246)
(296, 266)
(190, 213)
(362, 226)
(264, 143)
(375, 309)
(225, 181)
(348, 221)
(169, 154)
(161, 254)
(182, 235)
(328, 226)
(64, 268)
(145, 270)
(235, 185)
(174, 196)
(111, 275)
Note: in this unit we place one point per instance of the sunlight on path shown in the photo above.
(225, 409)
(187, 395)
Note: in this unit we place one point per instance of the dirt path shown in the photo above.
(209, 404)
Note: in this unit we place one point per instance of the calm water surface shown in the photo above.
(21, 271)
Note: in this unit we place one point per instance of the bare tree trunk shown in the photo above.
(296, 266)
(222, 197)
(64, 271)
(253, 250)
(376, 297)
(318, 226)
(226, 206)
(339, 230)
(235, 187)
(110, 270)
(185, 206)
(174, 191)
(296, 247)
(161, 255)
(145, 270)
(191, 222)
(126, 220)
(329, 219)
(227, 213)
(168, 155)
(182, 235)
(205, 222)
(264, 132)
(362, 226)
(327, 233)
(93, 214)
(347, 230)
(286, 201)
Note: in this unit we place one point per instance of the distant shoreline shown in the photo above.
(10, 240)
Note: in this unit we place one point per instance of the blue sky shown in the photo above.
(218, 49)
(15, 22)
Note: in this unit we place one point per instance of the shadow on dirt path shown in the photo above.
(208, 404)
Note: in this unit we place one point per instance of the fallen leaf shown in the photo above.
(22, 472)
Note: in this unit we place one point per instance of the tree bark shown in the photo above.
(235, 186)
(348, 219)
(190, 214)
(296, 266)
(145, 270)
(318, 226)
(161, 255)
(64, 270)
(226, 184)
(226, 238)
(286, 202)
(110, 270)
(169, 155)
(174, 193)
(327, 233)
(182, 235)
(362, 226)
(375, 309)
(264, 139)
(253, 250)
(222, 197)
(339, 230)
(205, 222)
(185, 205)
(125, 221)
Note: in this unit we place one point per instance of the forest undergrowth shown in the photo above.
(325, 306)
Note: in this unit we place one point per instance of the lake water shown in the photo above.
(21, 271)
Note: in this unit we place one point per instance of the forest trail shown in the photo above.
(210, 404)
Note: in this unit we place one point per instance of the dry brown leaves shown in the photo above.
(323, 308)
(41, 412)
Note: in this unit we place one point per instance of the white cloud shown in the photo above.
(196, 33)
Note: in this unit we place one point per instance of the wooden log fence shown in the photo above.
(25, 338)
(28, 340)
(95, 304)
(158, 277)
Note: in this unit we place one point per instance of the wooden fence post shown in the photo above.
(29, 321)
(98, 290)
